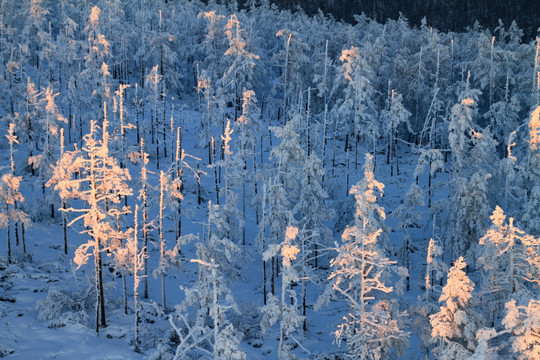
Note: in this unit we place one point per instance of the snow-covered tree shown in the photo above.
(427, 303)
(472, 155)
(292, 59)
(218, 249)
(469, 211)
(432, 161)
(284, 186)
(523, 321)
(461, 128)
(147, 224)
(504, 116)
(19, 216)
(454, 327)
(249, 130)
(280, 310)
(122, 125)
(96, 77)
(167, 258)
(531, 216)
(373, 327)
(93, 176)
(483, 351)
(435, 268)
(213, 45)
(129, 258)
(9, 196)
(503, 256)
(358, 107)
(231, 168)
(409, 215)
(55, 178)
(394, 116)
(153, 80)
(218, 341)
(313, 214)
(240, 62)
(27, 127)
(323, 87)
(48, 140)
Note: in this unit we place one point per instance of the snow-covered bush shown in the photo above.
(61, 307)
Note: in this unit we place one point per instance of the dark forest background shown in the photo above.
(445, 15)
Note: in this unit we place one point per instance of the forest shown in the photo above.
(445, 15)
(237, 180)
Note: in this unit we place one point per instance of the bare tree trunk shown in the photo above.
(215, 170)
(64, 225)
(244, 206)
(272, 281)
(23, 238)
(136, 281)
(347, 160)
(100, 300)
(8, 235)
(124, 287)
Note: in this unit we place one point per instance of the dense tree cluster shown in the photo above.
(446, 15)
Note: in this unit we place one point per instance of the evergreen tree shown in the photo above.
(409, 215)
(241, 63)
(280, 310)
(358, 107)
(455, 325)
(167, 258)
(48, 139)
(93, 176)
(10, 195)
(220, 340)
(530, 214)
(523, 321)
(96, 77)
(249, 129)
(503, 255)
(393, 116)
(373, 327)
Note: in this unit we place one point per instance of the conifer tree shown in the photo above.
(93, 176)
(523, 321)
(427, 303)
(218, 341)
(530, 214)
(394, 116)
(468, 210)
(373, 326)
(211, 294)
(232, 175)
(147, 225)
(48, 139)
(130, 257)
(455, 325)
(153, 80)
(291, 59)
(19, 216)
(358, 107)
(314, 236)
(503, 256)
(167, 258)
(96, 78)
(241, 63)
(285, 184)
(280, 310)
(409, 215)
(9, 196)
